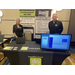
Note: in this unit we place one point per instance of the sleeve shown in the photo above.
(14, 29)
(61, 27)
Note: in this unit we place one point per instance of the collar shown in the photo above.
(55, 21)
(16, 24)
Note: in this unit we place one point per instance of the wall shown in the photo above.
(10, 15)
(71, 29)
(64, 16)
(8, 20)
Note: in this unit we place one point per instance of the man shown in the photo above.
(55, 26)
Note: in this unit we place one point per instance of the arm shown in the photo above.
(15, 35)
(61, 27)
(14, 32)
(23, 34)
(49, 27)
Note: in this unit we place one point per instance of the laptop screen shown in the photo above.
(55, 41)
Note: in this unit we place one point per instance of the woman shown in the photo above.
(18, 29)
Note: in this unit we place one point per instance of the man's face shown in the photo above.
(54, 17)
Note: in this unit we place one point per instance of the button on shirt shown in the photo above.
(55, 28)
(18, 31)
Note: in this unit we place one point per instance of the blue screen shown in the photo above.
(55, 41)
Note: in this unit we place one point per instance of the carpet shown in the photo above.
(6, 62)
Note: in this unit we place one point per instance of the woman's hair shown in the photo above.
(17, 20)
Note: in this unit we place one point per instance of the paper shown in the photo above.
(27, 22)
(24, 48)
(15, 48)
(44, 13)
(8, 48)
(42, 25)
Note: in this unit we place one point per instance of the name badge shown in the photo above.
(19, 27)
(55, 24)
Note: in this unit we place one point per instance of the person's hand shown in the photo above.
(16, 36)
(23, 36)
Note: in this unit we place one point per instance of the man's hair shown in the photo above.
(55, 14)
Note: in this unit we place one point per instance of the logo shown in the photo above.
(19, 27)
(35, 61)
(55, 24)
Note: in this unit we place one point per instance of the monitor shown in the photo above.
(55, 41)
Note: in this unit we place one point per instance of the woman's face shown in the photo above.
(18, 21)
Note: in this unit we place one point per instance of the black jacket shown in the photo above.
(55, 28)
(18, 31)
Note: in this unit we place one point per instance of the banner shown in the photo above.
(27, 14)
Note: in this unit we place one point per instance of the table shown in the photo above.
(22, 57)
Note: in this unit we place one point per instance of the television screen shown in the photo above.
(55, 41)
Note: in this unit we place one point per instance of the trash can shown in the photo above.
(28, 36)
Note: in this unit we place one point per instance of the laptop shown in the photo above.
(20, 40)
(1, 38)
(55, 41)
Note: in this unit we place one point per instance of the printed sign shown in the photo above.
(35, 61)
(27, 14)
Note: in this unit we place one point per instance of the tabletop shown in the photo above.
(32, 47)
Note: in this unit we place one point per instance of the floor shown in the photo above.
(6, 62)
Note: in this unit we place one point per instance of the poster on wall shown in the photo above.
(44, 13)
(27, 22)
(27, 18)
(27, 14)
(42, 25)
